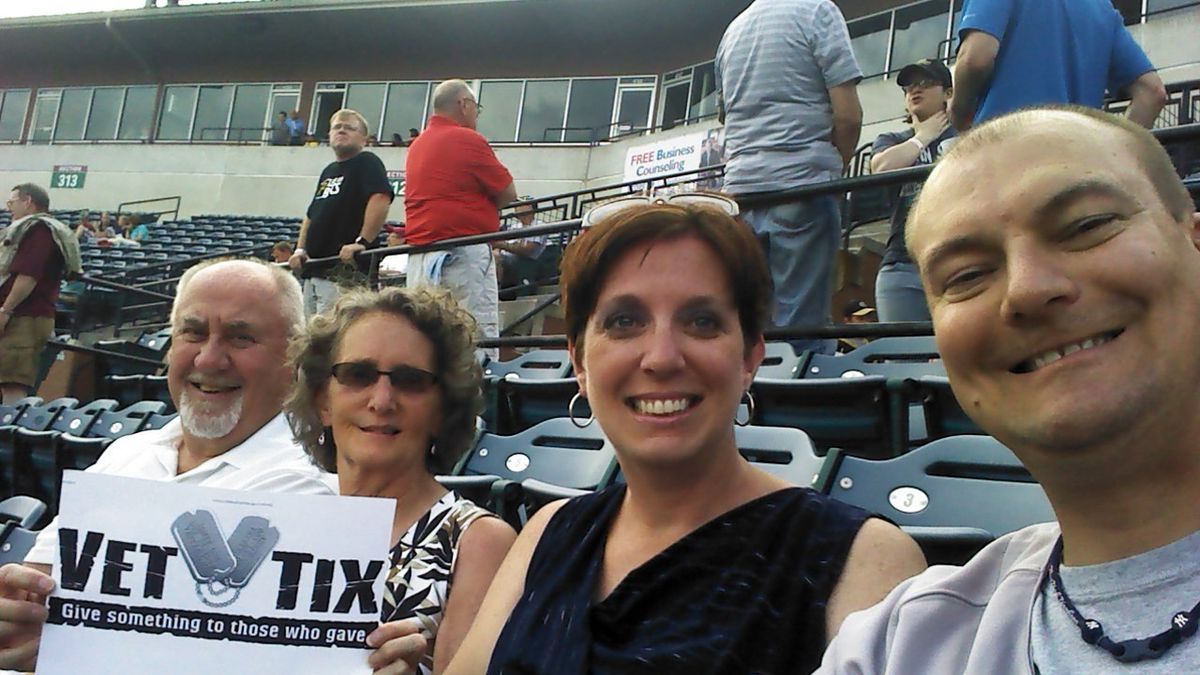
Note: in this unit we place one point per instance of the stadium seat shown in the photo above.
(953, 495)
(73, 452)
(782, 452)
(865, 416)
(555, 451)
(544, 364)
(155, 388)
(780, 362)
(522, 403)
(112, 424)
(15, 543)
(159, 421)
(22, 510)
(78, 420)
(34, 469)
(9, 413)
(535, 494)
(35, 417)
(944, 415)
(500, 496)
(126, 389)
(902, 357)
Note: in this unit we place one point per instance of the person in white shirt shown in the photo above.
(228, 376)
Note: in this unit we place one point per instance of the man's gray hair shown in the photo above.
(36, 194)
(447, 94)
(290, 297)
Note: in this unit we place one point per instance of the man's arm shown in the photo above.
(506, 196)
(21, 288)
(1148, 96)
(906, 154)
(373, 217)
(847, 119)
(298, 258)
(972, 72)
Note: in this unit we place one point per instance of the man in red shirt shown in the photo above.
(455, 187)
(36, 252)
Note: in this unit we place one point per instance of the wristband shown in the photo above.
(362, 241)
(300, 251)
(917, 142)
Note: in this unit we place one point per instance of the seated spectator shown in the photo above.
(228, 376)
(386, 397)
(398, 141)
(282, 251)
(394, 265)
(412, 134)
(131, 229)
(1060, 254)
(87, 230)
(856, 312)
(699, 562)
(510, 254)
(927, 91)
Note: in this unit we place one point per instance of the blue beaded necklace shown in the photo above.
(1183, 624)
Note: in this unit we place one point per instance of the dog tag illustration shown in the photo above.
(250, 544)
(203, 545)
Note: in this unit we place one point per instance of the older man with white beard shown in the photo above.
(228, 376)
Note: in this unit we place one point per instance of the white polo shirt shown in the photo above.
(268, 461)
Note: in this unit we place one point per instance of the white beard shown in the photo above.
(204, 420)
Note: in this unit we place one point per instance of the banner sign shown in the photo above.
(676, 155)
(396, 178)
(68, 177)
(149, 581)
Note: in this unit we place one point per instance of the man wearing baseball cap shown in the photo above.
(927, 91)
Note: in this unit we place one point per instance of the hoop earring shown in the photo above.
(321, 439)
(571, 413)
(749, 411)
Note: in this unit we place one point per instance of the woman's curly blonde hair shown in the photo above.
(438, 317)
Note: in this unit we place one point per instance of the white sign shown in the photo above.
(675, 155)
(165, 578)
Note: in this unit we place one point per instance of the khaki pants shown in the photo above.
(21, 348)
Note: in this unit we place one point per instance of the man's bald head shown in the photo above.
(1141, 145)
(447, 95)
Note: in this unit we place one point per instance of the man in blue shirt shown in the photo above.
(296, 128)
(1018, 53)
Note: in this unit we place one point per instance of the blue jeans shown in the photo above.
(899, 295)
(801, 241)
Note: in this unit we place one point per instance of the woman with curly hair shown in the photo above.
(386, 397)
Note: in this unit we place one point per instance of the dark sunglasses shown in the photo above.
(363, 374)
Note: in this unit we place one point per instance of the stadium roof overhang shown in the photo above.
(360, 39)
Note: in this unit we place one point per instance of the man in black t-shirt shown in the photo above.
(927, 90)
(346, 213)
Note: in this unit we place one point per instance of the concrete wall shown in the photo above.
(279, 181)
(254, 180)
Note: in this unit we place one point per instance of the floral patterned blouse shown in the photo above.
(418, 584)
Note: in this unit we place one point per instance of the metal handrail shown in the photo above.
(1156, 12)
(241, 139)
(834, 331)
(174, 212)
(74, 347)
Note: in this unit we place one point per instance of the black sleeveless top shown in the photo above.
(744, 593)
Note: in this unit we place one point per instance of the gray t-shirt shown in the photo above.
(774, 68)
(1132, 598)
